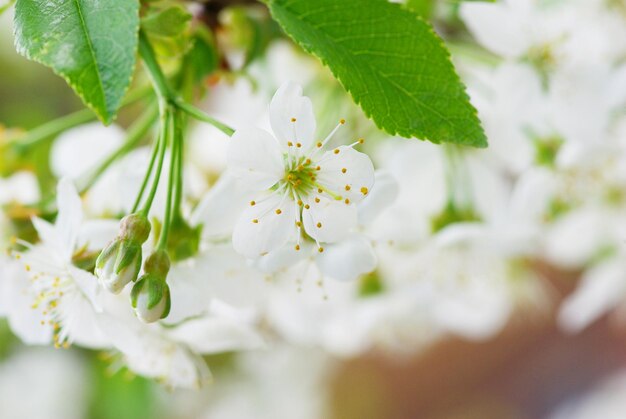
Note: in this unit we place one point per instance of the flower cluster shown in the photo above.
(296, 238)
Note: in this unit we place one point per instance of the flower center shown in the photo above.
(302, 177)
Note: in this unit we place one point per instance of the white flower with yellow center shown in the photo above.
(299, 189)
(60, 296)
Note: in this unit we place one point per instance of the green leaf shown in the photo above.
(424, 8)
(169, 22)
(90, 43)
(392, 63)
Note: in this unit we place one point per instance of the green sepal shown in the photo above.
(158, 264)
(135, 228)
(108, 252)
(453, 214)
(155, 291)
(168, 300)
(184, 240)
(134, 293)
(127, 253)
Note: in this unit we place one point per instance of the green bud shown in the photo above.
(120, 262)
(150, 296)
(135, 227)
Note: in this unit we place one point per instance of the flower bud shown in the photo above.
(120, 262)
(150, 296)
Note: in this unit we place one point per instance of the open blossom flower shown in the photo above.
(299, 187)
(63, 297)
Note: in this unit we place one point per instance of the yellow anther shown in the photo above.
(317, 200)
(252, 203)
(361, 140)
(307, 162)
(298, 223)
(307, 206)
(347, 201)
(348, 187)
(344, 170)
(27, 267)
(293, 119)
(298, 145)
(320, 249)
(289, 144)
(278, 211)
(364, 190)
(299, 202)
(319, 144)
(318, 168)
(320, 190)
(255, 221)
(319, 225)
(297, 247)
(342, 121)
(336, 151)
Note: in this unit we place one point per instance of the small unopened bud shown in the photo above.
(150, 296)
(118, 264)
(120, 261)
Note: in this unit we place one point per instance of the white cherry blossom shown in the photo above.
(297, 186)
(63, 297)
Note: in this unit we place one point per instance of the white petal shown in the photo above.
(88, 285)
(21, 187)
(147, 351)
(80, 149)
(601, 289)
(69, 218)
(97, 233)
(220, 208)
(24, 321)
(575, 237)
(289, 104)
(189, 290)
(226, 331)
(382, 195)
(348, 173)
(348, 259)
(255, 158)
(283, 257)
(328, 220)
(270, 231)
(496, 26)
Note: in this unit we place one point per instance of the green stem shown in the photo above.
(178, 138)
(167, 218)
(57, 126)
(202, 116)
(164, 91)
(164, 137)
(135, 133)
(154, 70)
(144, 184)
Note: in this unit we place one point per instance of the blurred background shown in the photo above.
(527, 369)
